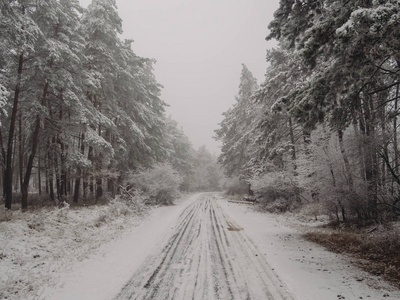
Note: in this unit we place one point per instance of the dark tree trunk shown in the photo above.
(292, 141)
(63, 173)
(360, 156)
(395, 145)
(347, 167)
(91, 185)
(46, 176)
(85, 184)
(50, 171)
(21, 152)
(3, 151)
(79, 171)
(110, 186)
(99, 188)
(39, 177)
(370, 157)
(91, 158)
(29, 166)
(57, 172)
(8, 169)
(3, 161)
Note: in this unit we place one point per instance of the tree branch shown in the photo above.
(384, 88)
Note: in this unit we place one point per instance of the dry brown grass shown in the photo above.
(377, 252)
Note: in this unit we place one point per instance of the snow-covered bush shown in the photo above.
(235, 186)
(63, 209)
(134, 200)
(116, 209)
(159, 183)
(277, 192)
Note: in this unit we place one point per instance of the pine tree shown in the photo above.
(20, 34)
(233, 131)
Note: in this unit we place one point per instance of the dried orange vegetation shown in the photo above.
(378, 252)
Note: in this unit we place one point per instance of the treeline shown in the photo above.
(78, 108)
(323, 126)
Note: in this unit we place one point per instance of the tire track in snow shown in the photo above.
(207, 256)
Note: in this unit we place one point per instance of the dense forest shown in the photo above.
(79, 110)
(323, 126)
(83, 125)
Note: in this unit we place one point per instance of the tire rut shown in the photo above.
(207, 256)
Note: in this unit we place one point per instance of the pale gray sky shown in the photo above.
(199, 46)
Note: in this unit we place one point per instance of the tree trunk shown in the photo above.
(370, 158)
(39, 177)
(91, 185)
(8, 169)
(99, 188)
(395, 145)
(292, 141)
(79, 171)
(21, 152)
(46, 175)
(99, 181)
(85, 184)
(360, 155)
(29, 166)
(50, 170)
(57, 173)
(347, 167)
(110, 186)
(3, 151)
(91, 158)
(384, 172)
(3, 161)
(63, 173)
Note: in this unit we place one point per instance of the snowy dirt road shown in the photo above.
(206, 247)
(208, 256)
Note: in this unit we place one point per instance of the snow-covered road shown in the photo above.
(208, 256)
(208, 248)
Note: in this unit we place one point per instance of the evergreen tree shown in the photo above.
(233, 131)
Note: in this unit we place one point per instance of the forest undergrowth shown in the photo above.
(372, 244)
(37, 244)
(374, 248)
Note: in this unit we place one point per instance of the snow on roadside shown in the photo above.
(105, 273)
(36, 245)
(90, 253)
(309, 271)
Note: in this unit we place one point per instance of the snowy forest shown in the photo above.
(80, 111)
(322, 128)
(103, 195)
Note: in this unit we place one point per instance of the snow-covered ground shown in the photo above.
(93, 252)
(308, 270)
(36, 246)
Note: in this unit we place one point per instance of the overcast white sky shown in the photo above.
(199, 46)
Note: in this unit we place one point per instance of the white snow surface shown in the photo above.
(308, 270)
(64, 255)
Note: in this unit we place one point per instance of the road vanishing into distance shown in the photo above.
(207, 256)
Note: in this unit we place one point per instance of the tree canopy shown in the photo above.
(78, 107)
(328, 107)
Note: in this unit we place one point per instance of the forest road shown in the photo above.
(207, 256)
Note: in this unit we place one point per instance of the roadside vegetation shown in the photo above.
(86, 147)
(376, 252)
(81, 113)
(319, 136)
